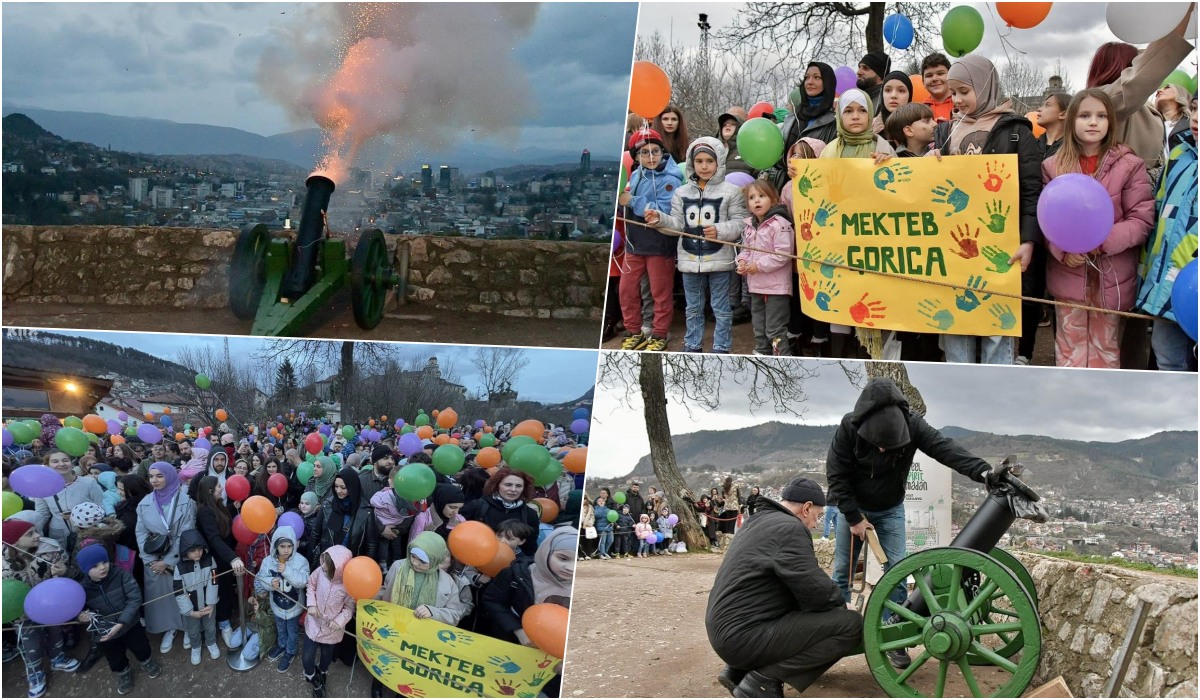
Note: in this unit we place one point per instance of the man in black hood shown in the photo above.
(867, 468)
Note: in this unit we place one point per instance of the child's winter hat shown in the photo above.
(643, 137)
(86, 514)
(90, 556)
(311, 499)
(699, 148)
(15, 529)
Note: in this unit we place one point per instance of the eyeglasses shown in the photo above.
(650, 152)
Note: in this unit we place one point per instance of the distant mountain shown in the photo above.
(32, 349)
(22, 126)
(164, 137)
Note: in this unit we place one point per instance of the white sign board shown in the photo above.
(927, 501)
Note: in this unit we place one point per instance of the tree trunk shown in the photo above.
(875, 28)
(662, 451)
(346, 374)
(897, 372)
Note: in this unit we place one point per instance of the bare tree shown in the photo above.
(233, 385)
(499, 367)
(399, 387)
(1023, 84)
(346, 355)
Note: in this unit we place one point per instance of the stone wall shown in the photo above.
(187, 267)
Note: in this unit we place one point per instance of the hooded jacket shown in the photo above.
(334, 605)
(718, 203)
(861, 477)
(195, 587)
(651, 187)
(117, 597)
(309, 545)
(1173, 243)
(360, 526)
(292, 580)
(1124, 177)
(775, 233)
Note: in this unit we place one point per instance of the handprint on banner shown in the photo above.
(505, 686)
(538, 679)
(505, 664)
(807, 288)
(454, 638)
(968, 300)
(888, 175)
(966, 240)
(997, 215)
(827, 267)
(1004, 316)
(367, 630)
(806, 225)
(546, 663)
(995, 179)
(950, 195)
(932, 310)
(376, 670)
(408, 691)
(864, 311)
(370, 609)
(825, 210)
(998, 258)
(826, 294)
(807, 181)
(810, 255)
(387, 632)
(837, 184)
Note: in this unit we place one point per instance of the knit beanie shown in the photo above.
(877, 61)
(15, 529)
(90, 556)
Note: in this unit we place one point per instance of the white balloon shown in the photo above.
(1143, 22)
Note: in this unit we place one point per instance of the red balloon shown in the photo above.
(760, 109)
(277, 484)
(237, 488)
(313, 443)
(627, 163)
(241, 533)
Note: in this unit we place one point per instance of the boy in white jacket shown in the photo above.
(196, 594)
(284, 574)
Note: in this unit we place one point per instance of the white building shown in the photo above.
(139, 187)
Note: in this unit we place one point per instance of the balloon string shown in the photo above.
(906, 278)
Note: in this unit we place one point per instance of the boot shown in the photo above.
(319, 684)
(756, 685)
(729, 677)
(125, 681)
(152, 669)
(90, 660)
(838, 345)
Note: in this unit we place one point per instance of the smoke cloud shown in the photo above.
(427, 74)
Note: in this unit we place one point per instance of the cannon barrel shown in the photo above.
(302, 271)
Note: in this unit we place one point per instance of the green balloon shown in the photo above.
(203, 381)
(612, 516)
(962, 30)
(487, 440)
(304, 472)
(619, 497)
(130, 431)
(22, 435)
(760, 143)
(36, 427)
(348, 432)
(529, 459)
(422, 420)
(551, 470)
(515, 444)
(14, 599)
(12, 504)
(72, 441)
(73, 422)
(406, 429)
(414, 482)
(92, 437)
(449, 459)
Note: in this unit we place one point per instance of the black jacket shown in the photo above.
(769, 570)
(1012, 134)
(862, 478)
(310, 542)
(116, 597)
(637, 504)
(492, 512)
(221, 547)
(507, 597)
(363, 528)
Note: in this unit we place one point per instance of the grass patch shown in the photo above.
(1119, 562)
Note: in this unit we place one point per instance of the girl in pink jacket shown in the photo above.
(642, 530)
(330, 609)
(766, 263)
(1107, 276)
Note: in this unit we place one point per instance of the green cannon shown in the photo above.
(281, 283)
(972, 605)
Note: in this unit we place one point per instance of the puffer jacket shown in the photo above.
(116, 597)
(775, 233)
(718, 203)
(1173, 244)
(602, 524)
(292, 581)
(334, 605)
(655, 189)
(1124, 176)
(195, 587)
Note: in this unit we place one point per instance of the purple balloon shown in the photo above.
(294, 521)
(114, 428)
(8, 438)
(673, 520)
(325, 430)
(409, 444)
(479, 424)
(55, 601)
(846, 78)
(739, 178)
(122, 416)
(36, 481)
(1075, 212)
(618, 241)
(651, 539)
(202, 444)
(148, 433)
(579, 425)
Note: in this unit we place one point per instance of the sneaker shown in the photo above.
(899, 659)
(636, 341)
(213, 652)
(656, 344)
(195, 656)
(37, 684)
(125, 681)
(152, 669)
(168, 641)
(274, 653)
(285, 662)
(1022, 360)
(187, 641)
(715, 351)
(605, 556)
(62, 662)
(687, 349)
(227, 636)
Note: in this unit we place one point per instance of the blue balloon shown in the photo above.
(1183, 299)
(898, 31)
(580, 413)
(166, 420)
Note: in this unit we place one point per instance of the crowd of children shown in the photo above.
(1103, 131)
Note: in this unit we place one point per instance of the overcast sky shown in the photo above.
(1071, 32)
(552, 376)
(197, 62)
(1100, 405)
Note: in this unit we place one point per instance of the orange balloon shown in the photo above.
(474, 543)
(436, 413)
(371, 422)
(546, 626)
(221, 414)
(118, 439)
(488, 457)
(1023, 15)
(1038, 129)
(362, 577)
(478, 434)
(383, 418)
(576, 460)
(178, 437)
(95, 424)
(532, 428)
(425, 432)
(649, 90)
(258, 514)
(504, 556)
(549, 509)
(454, 441)
(149, 415)
(487, 428)
(441, 439)
(447, 419)
(919, 93)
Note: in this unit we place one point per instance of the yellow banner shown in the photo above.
(954, 221)
(426, 658)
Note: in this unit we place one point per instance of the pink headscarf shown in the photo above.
(164, 495)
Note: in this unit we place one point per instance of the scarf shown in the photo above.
(814, 107)
(901, 77)
(412, 589)
(164, 495)
(969, 134)
(848, 145)
(508, 506)
(545, 583)
(322, 484)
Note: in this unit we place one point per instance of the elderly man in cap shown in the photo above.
(774, 616)
(867, 468)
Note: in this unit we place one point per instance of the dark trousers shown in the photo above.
(769, 314)
(797, 647)
(309, 658)
(134, 640)
(226, 597)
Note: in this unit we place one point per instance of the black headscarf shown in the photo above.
(809, 109)
(353, 493)
(894, 75)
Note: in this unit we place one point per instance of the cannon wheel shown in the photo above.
(248, 271)
(952, 630)
(998, 610)
(370, 278)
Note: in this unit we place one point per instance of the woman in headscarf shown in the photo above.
(162, 517)
(811, 114)
(321, 484)
(348, 520)
(897, 92)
